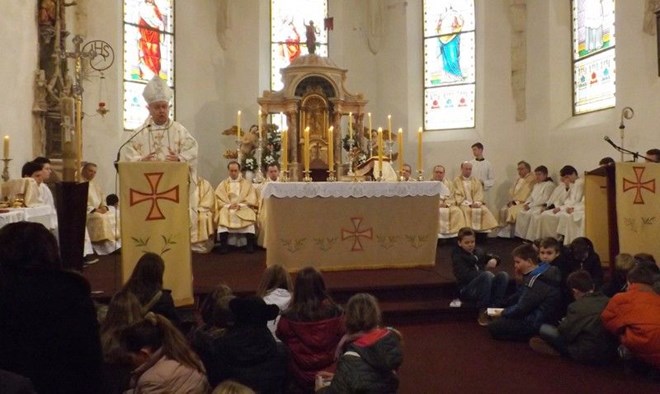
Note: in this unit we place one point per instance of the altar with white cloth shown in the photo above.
(37, 214)
(350, 225)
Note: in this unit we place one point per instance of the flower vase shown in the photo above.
(249, 175)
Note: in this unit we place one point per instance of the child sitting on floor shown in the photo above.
(473, 271)
(536, 302)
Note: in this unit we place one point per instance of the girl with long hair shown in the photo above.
(163, 361)
(275, 288)
(146, 283)
(311, 329)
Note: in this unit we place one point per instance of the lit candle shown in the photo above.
(306, 145)
(419, 149)
(259, 123)
(389, 127)
(350, 125)
(380, 152)
(238, 125)
(369, 134)
(400, 140)
(6, 147)
(331, 149)
(285, 149)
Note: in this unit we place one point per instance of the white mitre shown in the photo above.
(157, 90)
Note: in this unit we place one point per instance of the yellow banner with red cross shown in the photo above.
(155, 218)
(638, 207)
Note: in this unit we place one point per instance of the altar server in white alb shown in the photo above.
(469, 196)
(574, 201)
(481, 168)
(518, 194)
(161, 138)
(536, 202)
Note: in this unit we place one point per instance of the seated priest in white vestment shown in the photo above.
(550, 218)
(236, 215)
(536, 202)
(451, 218)
(203, 230)
(518, 194)
(102, 224)
(469, 195)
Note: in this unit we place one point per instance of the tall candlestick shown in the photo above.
(285, 150)
(419, 149)
(369, 134)
(389, 127)
(259, 123)
(6, 147)
(350, 125)
(306, 147)
(238, 125)
(400, 141)
(380, 152)
(331, 149)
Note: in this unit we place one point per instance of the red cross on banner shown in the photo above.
(638, 185)
(137, 197)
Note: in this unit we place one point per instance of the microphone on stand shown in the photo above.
(609, 141)
(147, 126)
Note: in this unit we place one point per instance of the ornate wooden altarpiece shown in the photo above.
(314, 95)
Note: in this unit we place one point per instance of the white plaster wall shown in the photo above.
(18, 46)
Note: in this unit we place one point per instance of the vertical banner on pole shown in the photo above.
(155, 218)
(637, 207)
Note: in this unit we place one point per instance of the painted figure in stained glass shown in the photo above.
(150, 24)
(593, 24)
(450, 23)
(291, 46)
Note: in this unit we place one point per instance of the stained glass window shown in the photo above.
(148, 51)
(594, 66)
(290, 23)
(449, 64)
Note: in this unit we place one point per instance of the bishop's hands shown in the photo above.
(172, 156)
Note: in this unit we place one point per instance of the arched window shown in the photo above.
(290, 23)
(594, 67)
(148, 51)
(449, 64)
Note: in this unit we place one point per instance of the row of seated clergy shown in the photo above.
(566, 204)
(103, 225)
(518, 194)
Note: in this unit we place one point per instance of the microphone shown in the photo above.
(147, 126)
(609, 141)
(626, 113)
